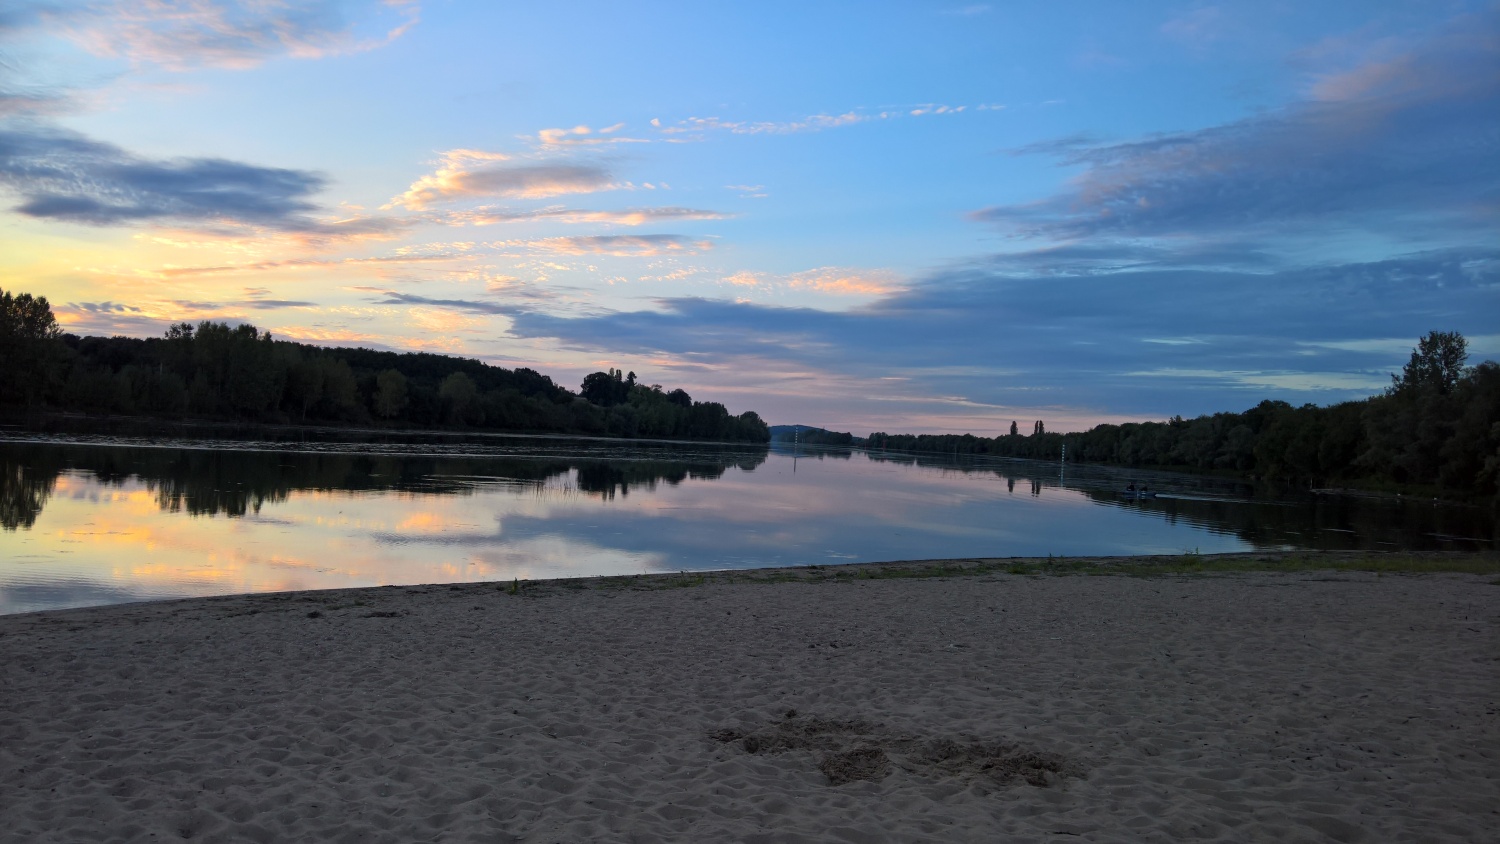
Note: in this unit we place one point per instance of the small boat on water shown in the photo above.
(1137, 493)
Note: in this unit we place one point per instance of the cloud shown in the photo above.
(390, 297)
(183, 34)
(305, 263)
(254, 302)
(623, 245)
(584, 136)
(994, 336)
(465, 174)
(1409, 145)
(624, 217)
(811, 123)
(843, 281)
(694, 128)
(15, 103)
(837, 281)
(61, 175)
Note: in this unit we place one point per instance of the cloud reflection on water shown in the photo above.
(92, 523)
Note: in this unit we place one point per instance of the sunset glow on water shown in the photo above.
(104, 523)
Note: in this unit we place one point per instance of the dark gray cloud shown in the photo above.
(273, 304)
(1408, 145)
(103, 307)
(258, 304)
(62, 175)
(390, 297)
(1157, 341)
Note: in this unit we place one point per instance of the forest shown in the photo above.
(213, 370)
(1436, 430)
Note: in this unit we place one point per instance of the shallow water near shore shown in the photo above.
(100, 519)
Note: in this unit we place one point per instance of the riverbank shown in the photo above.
(1264, 697)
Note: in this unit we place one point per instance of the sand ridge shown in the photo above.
(1295, 707)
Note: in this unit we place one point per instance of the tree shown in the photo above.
(28, 335)
(603, 388)
(1039, 428)
(1437, 363)
(390, 393)
(1013, 429)
(457, 392)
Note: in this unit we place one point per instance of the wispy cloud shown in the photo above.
(749, 191)
(694, 128)
(621, 245)
(835, 281)
(468, 174)
(390, 297)
(624, 217)
(183, 34)
(303, 264)
(583, 136)
(811, 123)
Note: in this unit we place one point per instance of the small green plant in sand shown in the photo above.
(515, 587)
(686, 581)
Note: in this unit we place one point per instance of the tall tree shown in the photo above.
(28, 335)
(1436, 363)
(457, 392)
(390, 394)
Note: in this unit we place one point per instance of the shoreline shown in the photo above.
(1122, 565)
(1315, 698)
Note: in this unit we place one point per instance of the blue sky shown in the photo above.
(914, 217)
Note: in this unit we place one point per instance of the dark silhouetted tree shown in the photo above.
(28, 340)
(457, 392)
(1437, 363)
(390, 393)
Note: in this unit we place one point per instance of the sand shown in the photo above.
(1247, 707)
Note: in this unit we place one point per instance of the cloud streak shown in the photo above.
(623, 217)
(620, 245)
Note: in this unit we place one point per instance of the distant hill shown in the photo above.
(809, 435)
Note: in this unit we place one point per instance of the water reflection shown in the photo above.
(103, 519)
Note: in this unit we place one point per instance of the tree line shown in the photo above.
(1437, 429)
(218, 371)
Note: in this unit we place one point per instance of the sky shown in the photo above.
(917, 217)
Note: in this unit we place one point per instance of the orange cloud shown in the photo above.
(841, 281)
(584, 136)
(623, 217)
(621, 245)
(467, 173)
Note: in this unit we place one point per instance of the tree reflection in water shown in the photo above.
(214, 481)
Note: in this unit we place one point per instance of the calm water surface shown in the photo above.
(103, 519)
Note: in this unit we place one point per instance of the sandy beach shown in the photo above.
(1302, 706)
